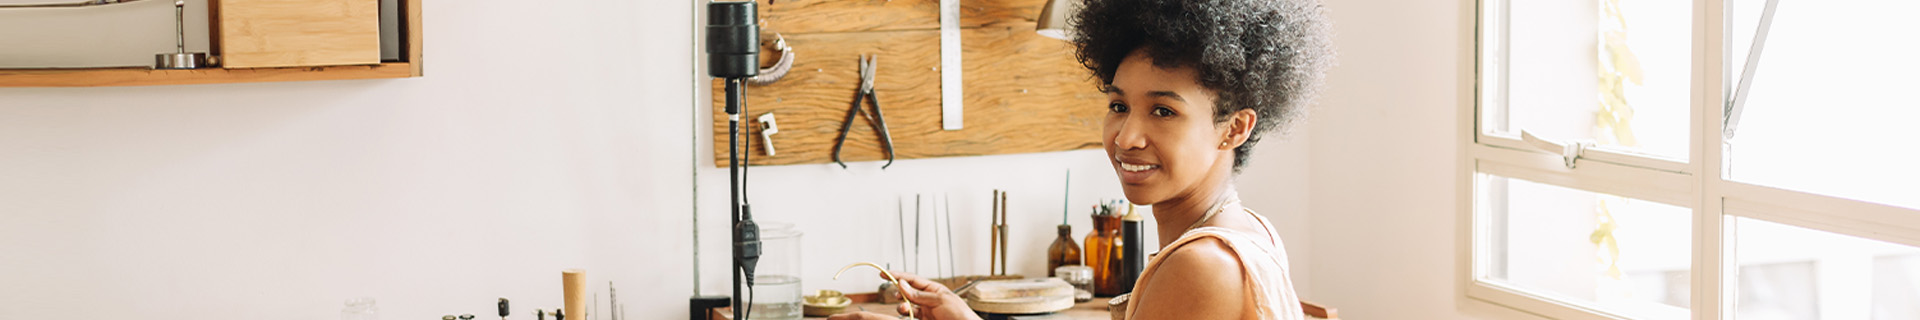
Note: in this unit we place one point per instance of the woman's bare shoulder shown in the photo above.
(1202, 279)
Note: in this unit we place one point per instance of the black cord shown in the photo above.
(746, 154)
(749, 313)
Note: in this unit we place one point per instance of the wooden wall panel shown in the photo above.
(283, 33)
(818, 16)
(1025, 93)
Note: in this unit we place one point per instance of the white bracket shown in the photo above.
(951, 98)
(767, 129)
(1569, 152)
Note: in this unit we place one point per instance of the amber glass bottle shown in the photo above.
(1103, 254)
(1063, 252)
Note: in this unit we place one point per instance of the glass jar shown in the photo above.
(1064, 251)
(1103, 254)
(776, 285)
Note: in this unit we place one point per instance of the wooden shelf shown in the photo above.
(141, 76)
(245, 30)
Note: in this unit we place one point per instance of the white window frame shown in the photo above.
(1695, 183)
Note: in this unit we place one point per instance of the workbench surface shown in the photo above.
(1095, 309)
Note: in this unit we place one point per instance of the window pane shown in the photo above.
(1622, 255)
(1828, 110)
(1789, 272)
(1582, 70)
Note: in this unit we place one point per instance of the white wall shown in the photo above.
(1385, 164)
(434, 195)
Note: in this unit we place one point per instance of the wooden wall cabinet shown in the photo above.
(269, 40)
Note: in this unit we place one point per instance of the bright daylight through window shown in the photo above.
(1707, 159)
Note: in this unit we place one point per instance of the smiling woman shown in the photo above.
(1192, 85)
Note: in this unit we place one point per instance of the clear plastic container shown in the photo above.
(776, 288)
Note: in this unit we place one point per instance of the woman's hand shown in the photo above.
(933, 301)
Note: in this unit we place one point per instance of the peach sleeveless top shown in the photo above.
(1269, 287)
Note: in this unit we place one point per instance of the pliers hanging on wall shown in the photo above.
(875, 119)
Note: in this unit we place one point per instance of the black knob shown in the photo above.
(503, 308)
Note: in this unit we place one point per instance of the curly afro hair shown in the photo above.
(1265, 55)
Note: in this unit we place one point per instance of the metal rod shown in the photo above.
(993, 232)
(951, 270)
(1003, 233)
(733, 181)
(916, 233)
(900, 213)
(180, 25)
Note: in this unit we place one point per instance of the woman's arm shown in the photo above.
(1200, 280)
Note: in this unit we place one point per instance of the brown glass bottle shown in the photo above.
(1064, 251)
(1104, 255)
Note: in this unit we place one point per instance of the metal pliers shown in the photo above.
(875, 119)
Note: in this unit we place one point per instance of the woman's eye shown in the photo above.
(1117, 107)
(1162, 112)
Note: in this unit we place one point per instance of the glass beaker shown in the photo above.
(776, 288)
(1081, 277)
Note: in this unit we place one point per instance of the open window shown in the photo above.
(1708, 159)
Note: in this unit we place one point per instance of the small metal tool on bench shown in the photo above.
(180, 58)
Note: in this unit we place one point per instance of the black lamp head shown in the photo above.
(733, 39)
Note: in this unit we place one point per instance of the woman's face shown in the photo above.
(1160, 135)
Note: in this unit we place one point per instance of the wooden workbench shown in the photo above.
(1090, 310)
(1095, 309)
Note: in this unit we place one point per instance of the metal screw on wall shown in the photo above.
(180, 58)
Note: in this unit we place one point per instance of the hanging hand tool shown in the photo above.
(767, 128)
(780, 68)
(878, 121)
